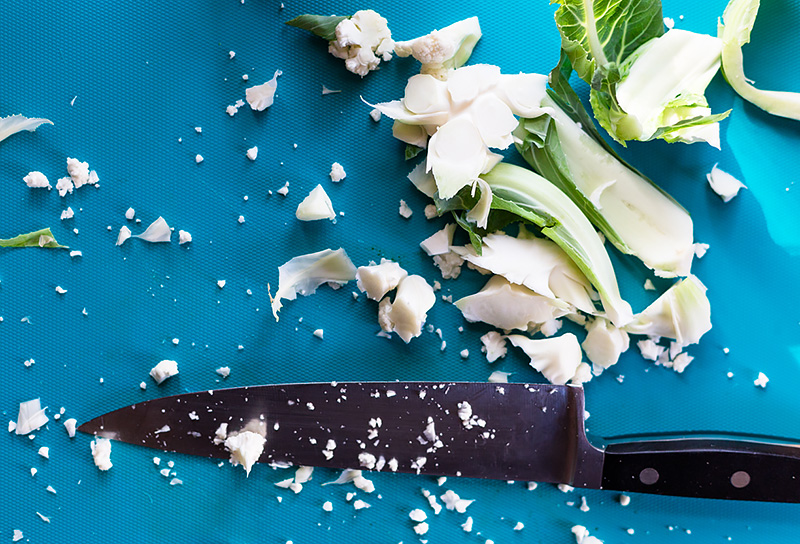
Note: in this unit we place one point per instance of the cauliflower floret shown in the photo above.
(362, 41)
(442, 50)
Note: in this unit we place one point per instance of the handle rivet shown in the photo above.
(740, 479)
(649, 476)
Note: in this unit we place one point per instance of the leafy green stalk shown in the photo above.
(632, 212)
(39, 238)
(734, 30)
(536, 200)
(323, 26)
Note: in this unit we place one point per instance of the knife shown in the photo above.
(529, 432)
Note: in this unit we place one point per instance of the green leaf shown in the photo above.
(323, 26)
(412, 151)
(597, 33)
(39, 238)
(475, 238)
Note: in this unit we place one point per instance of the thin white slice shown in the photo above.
(724, 184)
(557, 358)
(260, 97)
(158, 231)
(304, 273)
(15, 123)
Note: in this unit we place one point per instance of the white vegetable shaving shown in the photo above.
(304, 273)
(724, 184)
(260, 97)
(31, 417)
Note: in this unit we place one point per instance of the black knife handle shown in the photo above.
(705, 468)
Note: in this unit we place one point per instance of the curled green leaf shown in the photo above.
(39, 238)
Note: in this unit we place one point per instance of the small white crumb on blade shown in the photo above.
(337, 172)
(724, 184)
(761, 381)
(164, 370)
(404, 210)
(101, 452)
(252, 153)
(245, 448)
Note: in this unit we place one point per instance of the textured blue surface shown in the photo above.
(144, 75)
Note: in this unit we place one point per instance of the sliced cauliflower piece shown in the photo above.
(317, 205)
(557, 358)
(604, 343)
(508, 306)
(304, 273)
(245, 447)
(407, 313)
(378, 279)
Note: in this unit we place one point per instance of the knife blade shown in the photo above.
(530, 432)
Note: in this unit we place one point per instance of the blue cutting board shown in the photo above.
(143, 75)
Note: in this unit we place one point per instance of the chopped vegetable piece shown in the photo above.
(683, 313)
(163, 370)
(407, 313)
(557, 358)
(304, 273)
(508, 306)
(15, 123)
(245, 448)
(31, 417)
(734, 30)
(101, 452)
(724, 184)
(533, 198)
(158, 231)
(378, 279)
(39, 238)
(260, 97)
(632, 212)
(317, 205)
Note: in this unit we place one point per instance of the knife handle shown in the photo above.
(705, 468)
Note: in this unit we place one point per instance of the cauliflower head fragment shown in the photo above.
(362, 41)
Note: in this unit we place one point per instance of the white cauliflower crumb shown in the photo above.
(327, 506)
(101, 452)
(494, 346)
(184, 237)
(252, 153)
(163, 370)
(404, 210)
(761, 381)
(375, 114)
(245, 448)
(224, 371)
(36, 180)
(198, 158)
(582, 536)
(70, 425)
(421, 528)
(418, 515)
(337, 172)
